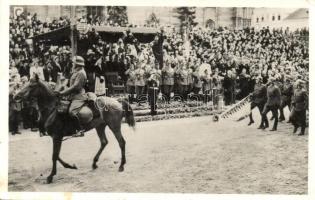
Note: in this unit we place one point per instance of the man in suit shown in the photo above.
(299, 107)
(273, 103)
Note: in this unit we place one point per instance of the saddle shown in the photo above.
(86, 112)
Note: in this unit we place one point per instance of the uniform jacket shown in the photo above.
(139, 81)
(183, 74)
(260, 94)
(287, 92)
(207, 82)
(168, 76)
(131, 77)
(273, 96)
(300, 100)
(77, 83)
(197, 80)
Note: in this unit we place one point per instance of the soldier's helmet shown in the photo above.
(78, 60)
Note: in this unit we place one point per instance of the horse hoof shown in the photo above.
(121, 169)
(94, 166)
(49, 179)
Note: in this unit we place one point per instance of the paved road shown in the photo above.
(182, 155)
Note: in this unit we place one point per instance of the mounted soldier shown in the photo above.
(76, 92)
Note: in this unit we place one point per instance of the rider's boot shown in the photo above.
(79, 130)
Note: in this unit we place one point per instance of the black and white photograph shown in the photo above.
(158, 99)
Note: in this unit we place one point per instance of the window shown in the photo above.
(257, 20)
(273, 18)
(279, 17)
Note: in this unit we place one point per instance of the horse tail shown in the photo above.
(128, 114)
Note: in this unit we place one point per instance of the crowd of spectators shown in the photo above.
(204, 62)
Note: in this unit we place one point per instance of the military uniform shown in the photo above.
(286, 95)
(76, 92)
(207, 86)
(131, 83)
(272, 104)
(299, 106)
(153, 91)
(168, 81)
(197, 83)
(139, 82)
(183, 83)
(258, 99)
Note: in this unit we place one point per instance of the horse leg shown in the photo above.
(101, 134)
(66, 165)
(56, 150)
(122, 143)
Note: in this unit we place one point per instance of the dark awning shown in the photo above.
(61, 35)
(112, 34)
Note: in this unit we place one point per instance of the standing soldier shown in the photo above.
(168, 80)
(153, 91)
(197, 82)
(183, 86)
(139, 81)
(258, 99)
(228, 85)
(131, 76)
(207, 84)
(299, 106)
(286, 94)
(157, 47)
(272, 104)
(190, 79)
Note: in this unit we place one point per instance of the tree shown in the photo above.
(152, 20)
(186, 16)
(117, 14)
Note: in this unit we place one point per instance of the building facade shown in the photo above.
(293, 18)
(205, 16)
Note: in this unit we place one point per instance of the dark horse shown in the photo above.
(58, 127)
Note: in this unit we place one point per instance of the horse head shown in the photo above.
(35, 89)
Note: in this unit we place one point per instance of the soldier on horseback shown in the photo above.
(76, 92)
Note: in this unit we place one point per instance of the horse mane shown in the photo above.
(47, 88)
